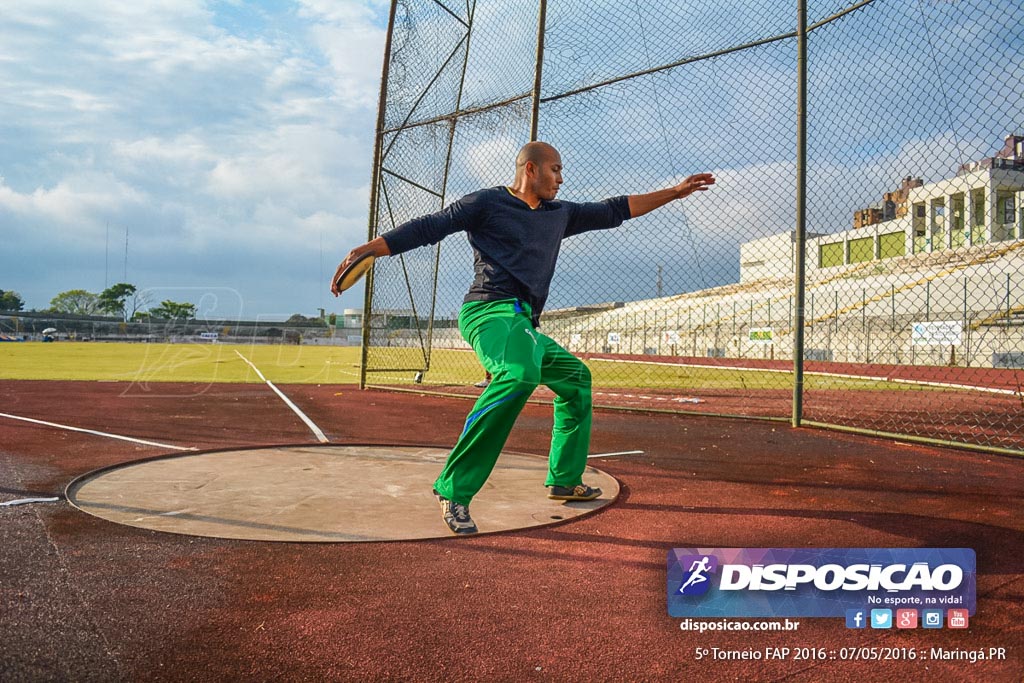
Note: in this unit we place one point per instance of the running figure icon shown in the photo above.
(697, 570)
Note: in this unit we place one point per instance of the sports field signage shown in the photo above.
(817, 582)
(761, 335)
(939, 333)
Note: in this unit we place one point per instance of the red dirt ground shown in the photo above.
(85, 599)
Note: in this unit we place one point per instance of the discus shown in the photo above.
(354, 272)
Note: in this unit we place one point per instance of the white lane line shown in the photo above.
(822, 373)
(92, 431)
(608, 455)
(27, 501)
(321, 437)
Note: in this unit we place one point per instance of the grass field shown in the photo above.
(286, 364)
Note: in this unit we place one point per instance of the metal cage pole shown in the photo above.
(444, 183)
(378, 150)
(801, 210)
(538, 69)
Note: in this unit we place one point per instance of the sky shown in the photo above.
(230, 142)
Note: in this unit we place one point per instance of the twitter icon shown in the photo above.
(881, 618)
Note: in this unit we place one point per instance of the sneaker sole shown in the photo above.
(552, 496)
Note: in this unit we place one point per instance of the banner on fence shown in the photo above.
(938, 333)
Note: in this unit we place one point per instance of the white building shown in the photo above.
(983, 204)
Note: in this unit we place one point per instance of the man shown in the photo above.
(516, 233)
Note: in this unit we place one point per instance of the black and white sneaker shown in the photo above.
(456, 515)
(578, 492)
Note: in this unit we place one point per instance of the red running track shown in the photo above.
(85, 599)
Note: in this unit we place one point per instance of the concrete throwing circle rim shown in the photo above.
(326, 507)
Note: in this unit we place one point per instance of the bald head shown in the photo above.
(538, 173)
(537, 152)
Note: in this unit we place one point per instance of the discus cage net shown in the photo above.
(857, 265)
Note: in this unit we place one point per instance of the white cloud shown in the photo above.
(492, 162)
(351, 38)
(226, 133)
(73, 202)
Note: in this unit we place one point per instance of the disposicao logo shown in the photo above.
(697, 580)
(817, 582)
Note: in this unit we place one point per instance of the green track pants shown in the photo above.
(519, 359)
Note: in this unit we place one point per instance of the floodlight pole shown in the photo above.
(800, 233)
(538, 69)
(378, 161)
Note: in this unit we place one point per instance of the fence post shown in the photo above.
(864, 324)
(892, 300)
(378, 148)
(644, 349)
(538, 66)
(801, 209)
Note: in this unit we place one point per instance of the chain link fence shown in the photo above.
(46, 326)
(913, 301)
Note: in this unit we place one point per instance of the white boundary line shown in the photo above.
(608, 455)
(321, 437)
(873, 378)
(92, 431)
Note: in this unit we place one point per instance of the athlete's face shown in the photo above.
(548, 176)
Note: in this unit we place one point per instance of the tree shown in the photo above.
(113, 299)
(11, 301)
(139, 301)
(298, 318)
(75, 302)
(173, 310)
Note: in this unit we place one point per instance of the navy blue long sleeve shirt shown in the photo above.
(515, 248)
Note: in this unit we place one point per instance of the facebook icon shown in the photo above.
(855, 618)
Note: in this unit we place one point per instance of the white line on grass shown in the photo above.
(608, 455)
(321, 437)
(92, 431)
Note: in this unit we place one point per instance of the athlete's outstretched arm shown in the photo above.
(639, 204)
